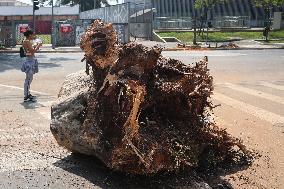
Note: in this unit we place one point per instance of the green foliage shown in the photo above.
(1, 46)
(46, 39)
(268, 3)
(187, 37)
(207, 4)
(84, 4)
(277, 34)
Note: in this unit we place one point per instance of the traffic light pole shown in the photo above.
(33, 19)
(35, 7)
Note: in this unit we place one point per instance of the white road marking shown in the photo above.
(42, 108)
(19, 88)
(45, 110)
(271, 85)
(29, 160)
(32, 135)
(257, 93)
(20, 129)
(249, 109)
(201, 54)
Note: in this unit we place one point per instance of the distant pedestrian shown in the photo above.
(265, 32)
(30, 66)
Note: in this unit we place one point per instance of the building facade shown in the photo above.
(178, 9)
(25, 13)
(14, 20)
(185, 8)
(13, 3)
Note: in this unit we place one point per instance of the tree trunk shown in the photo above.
(267, 23)
(194, 31)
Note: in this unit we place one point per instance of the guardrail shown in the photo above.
(172, 23)
(187, 22)
(231, 22)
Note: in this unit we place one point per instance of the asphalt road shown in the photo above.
(249, 85)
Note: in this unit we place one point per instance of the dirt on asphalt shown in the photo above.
(30, 157)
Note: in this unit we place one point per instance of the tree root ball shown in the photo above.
(99, 44)
(150, 113)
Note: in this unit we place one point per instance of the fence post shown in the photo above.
(34, 21)
(14, 33)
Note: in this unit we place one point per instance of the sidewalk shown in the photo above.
(169, 46)
(253, 44)
(243, 45)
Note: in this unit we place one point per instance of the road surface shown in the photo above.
(249, 85)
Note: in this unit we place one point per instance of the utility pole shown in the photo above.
(35, 7)
(207, 24)
(33, 19)
(52, 26)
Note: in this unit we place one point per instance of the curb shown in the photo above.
(166, 49)
(217, 49)
(55, 51)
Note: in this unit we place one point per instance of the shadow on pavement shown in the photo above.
(14, 62)
(32, 105)
(10, 61)
(58, 59)
(94, 171)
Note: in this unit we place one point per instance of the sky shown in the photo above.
(110, 1)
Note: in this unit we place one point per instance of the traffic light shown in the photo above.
(36, 5)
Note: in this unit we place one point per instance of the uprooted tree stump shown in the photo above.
(139, 112)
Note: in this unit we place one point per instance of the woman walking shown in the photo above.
(30, 66)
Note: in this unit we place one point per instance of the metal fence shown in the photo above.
(173, 23)
(141, 20)
(161, 23)
(117, 14)
(6, 37)
(129, 19)
(66, 33)
(12, 31)
(232, 22)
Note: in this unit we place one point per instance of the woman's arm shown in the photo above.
(27, 45)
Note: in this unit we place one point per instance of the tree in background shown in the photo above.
(267, 5)
(84, 4)
(204, 6)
